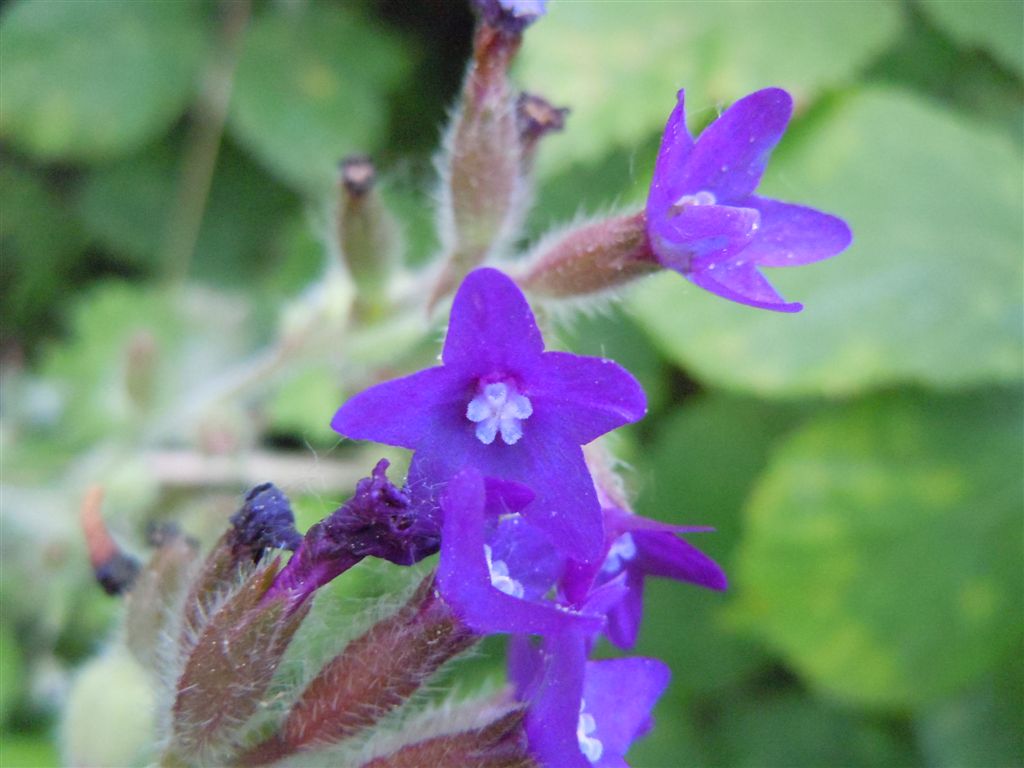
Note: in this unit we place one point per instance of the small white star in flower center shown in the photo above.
(701, 198)
(500, 578)
(622, 550)
(591, 748)
(499, 408)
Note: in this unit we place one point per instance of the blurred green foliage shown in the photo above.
(861, 461)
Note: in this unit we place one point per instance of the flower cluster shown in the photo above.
(508, 480)
(531, 545)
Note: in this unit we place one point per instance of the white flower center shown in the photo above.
(591, 748)
(500, 579)
(499, 408)
(700, 198)
(623, 549)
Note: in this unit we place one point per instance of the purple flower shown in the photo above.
(638, 548)
(703, 219)
(583, 713)
(510, 16)
(503, 405)
(378, 521)
(491, 594)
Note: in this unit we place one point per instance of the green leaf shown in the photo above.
(311, 88)
(994, 25)
(930, 290)
(21, 751)
(698, 471)
(302, 405)
(11, 671)
(797, 732)
(619, 65)
(133, 351)
(85, 81)
(883, 549)
(40, 244)
(127, 206)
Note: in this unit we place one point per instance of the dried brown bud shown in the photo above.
(114, 569)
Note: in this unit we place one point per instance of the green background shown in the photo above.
(861, 461)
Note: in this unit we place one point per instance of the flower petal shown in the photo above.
(491, 326)
(703, 233)
(620, 694)
(742, 283)
(402, 411)
(465, 580)
(553, 715)
(587, 396)
(792, 234)
(552, 466)
(625, 617)
(666, 555)
(676, 145)
(730, 155)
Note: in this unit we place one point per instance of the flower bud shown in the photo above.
(158, 589)
(536, 117)
(510, 17)
(376, 673)
(264, 521)
(367, 232)
(482, 193)
(590, 259)
(114, 569)
(229, 667)
(109, 715)
(140, 376)
(499, 744)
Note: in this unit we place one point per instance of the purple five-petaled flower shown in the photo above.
(496, 568)
(637, 548)
(583, 713)
(503, 405)
(703, 219)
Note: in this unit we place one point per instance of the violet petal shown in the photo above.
(702, 234)
(465, 579)
(666, 555)
(553, 716)
(591, 395)
(676, 145)
(730, 155)
(742, 283)
(402, 411)
(492, 328)
(793, 234)
(620, 694)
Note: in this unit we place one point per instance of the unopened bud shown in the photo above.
(536, 118)
(510, 17)
(263, 522)
(375, 674)
(483, 195)
(590, 259)
(367, 232)
(141, 368)
(499, 744)
(158, 588)
(114, 569)
(229, 667)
